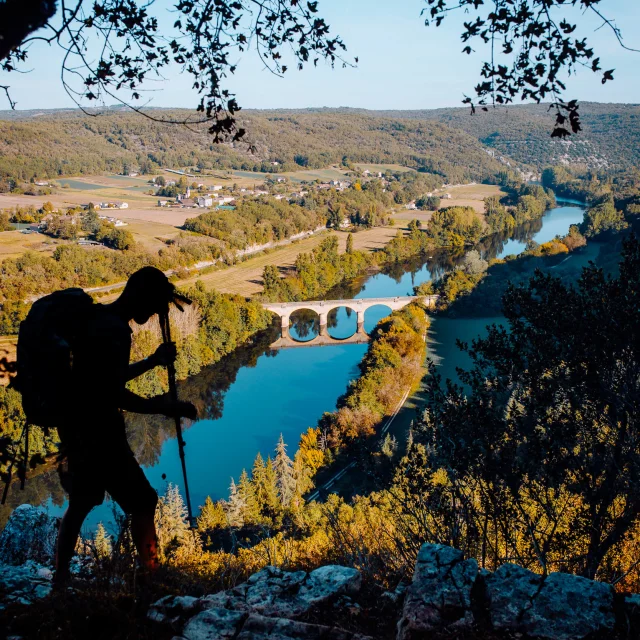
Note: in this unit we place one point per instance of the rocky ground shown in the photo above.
(449, 599)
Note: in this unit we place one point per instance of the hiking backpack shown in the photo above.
(46, 342)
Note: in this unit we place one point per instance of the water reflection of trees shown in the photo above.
(37, 491)
(304, 323)
(206, 390)
(493, 246)
(147, 434)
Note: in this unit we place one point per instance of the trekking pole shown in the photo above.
(173, 392)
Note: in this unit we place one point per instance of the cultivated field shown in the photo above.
(15, 243)
(468, 195)
(246, 278)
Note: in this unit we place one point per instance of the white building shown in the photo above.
(204, 201)
(215, 187)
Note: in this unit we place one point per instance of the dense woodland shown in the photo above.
(64, 143)
(609, 139)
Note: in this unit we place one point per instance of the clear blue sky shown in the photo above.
(402, 65)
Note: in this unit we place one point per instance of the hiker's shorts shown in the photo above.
(86, 476)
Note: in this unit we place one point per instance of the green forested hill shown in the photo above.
(48, 144)
(610, 138)
(450, 142)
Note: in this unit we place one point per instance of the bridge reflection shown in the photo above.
(324, 307)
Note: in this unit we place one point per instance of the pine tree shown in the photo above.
(285, 480)
(171, 517)
(271, 505)
(234, 506)
(212, 516)
(102, 542)
(303, 480)
(247, 493)
(389, 446)
(410, 439)
(350, 243)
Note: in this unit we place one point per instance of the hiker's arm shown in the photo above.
(164, 355)
(157, 405)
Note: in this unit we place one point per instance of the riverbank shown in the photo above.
(284, 392)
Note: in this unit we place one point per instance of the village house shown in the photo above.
(112, 205)
(41, 183)
(116, 222)
(215, 187)
(204, 201)
(163, 203)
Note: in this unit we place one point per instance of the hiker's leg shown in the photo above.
(85, 491)
(130, 488)
(68, 534)
(143, 530)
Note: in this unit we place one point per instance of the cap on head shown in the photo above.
(147, 292)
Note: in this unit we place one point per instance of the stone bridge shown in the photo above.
(324, 307)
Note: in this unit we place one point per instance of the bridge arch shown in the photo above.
(342, 322)
(304, 325)
(323, 307)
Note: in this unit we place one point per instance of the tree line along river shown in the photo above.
(255, 394)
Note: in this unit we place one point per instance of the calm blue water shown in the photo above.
(288, 391)
(556, 223)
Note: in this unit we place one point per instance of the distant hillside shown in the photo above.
(50, 144)
(610, 138)
(449, 142)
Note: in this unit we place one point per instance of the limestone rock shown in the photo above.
(510, 591)
(273, 592)
(214, 624)
(570, 607)
(30, 534)
(170, 609)
(560, 607)
(262, 628)
(440, 594)
(24, 584)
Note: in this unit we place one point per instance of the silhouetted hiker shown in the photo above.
(93, 437)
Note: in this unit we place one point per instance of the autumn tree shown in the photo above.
(350, 243)
(546, 426)
(285, 478)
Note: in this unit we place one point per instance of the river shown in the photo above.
(256, 394)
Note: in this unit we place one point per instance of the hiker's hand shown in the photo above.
(165, 354)
(183, 410)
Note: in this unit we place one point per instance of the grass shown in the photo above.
(14, 243)
(245, 278)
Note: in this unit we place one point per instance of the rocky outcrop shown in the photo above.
(449, 593)
(220, 624)
(27, 550)
(562, 606)
(30, 534)
(24, 584)
(440, 595)
(269, 604)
